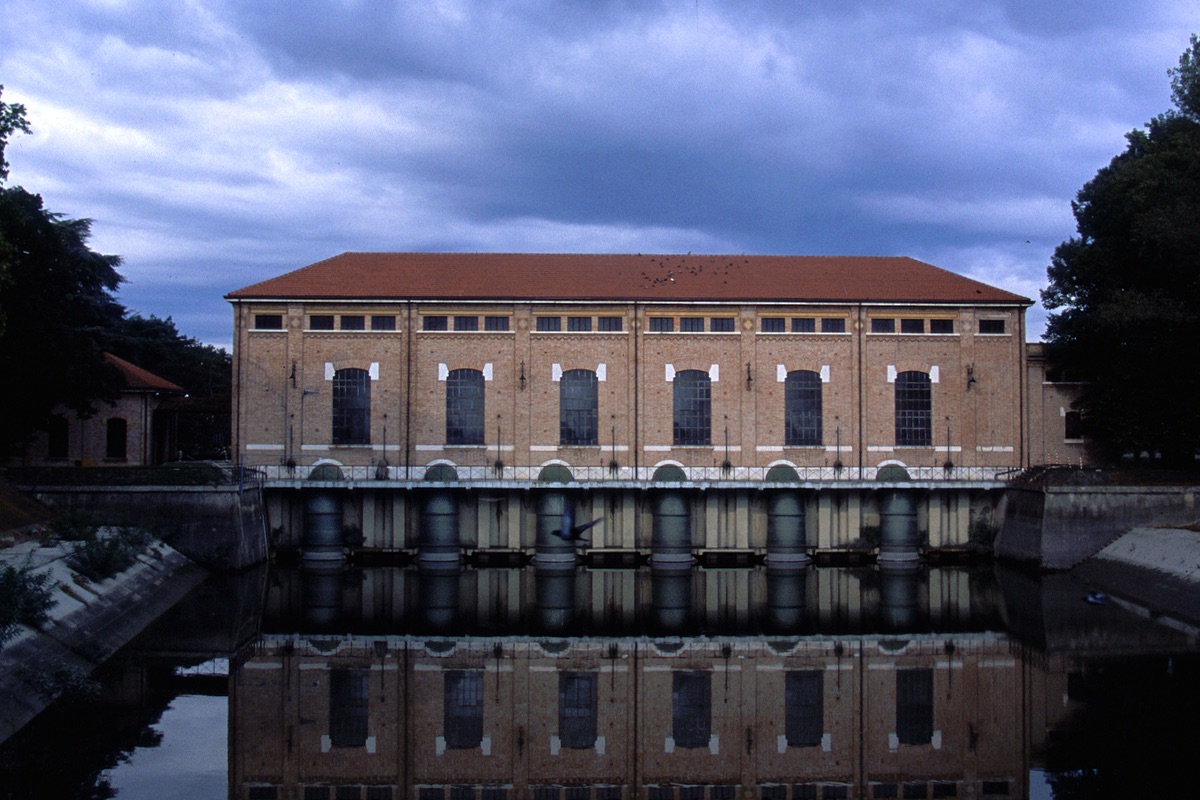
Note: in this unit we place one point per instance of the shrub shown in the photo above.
(103, 556)
(25, 599)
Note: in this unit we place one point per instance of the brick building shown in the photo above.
(616, 365)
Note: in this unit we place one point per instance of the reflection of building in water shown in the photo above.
(821, 717)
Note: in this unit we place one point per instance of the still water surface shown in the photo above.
(703, 684)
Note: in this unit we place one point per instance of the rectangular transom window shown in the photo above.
(320, 322)
(880, 325)
(833, 325)
(435, 322)
(466, 323)
(268, 322)
(804, 325)
(383, 322)
(579, 324)
(721, 324)
(941, 326)
(495, 323)
(909, 325)
(353, 322)
(991, 326)
(773, 324)
(691, 324)
(609, 324)
(662, 324)
(549, 323)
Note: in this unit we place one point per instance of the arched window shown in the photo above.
(914, 410)
(351, 406)
(693, 408)
(115, 438)
(464, 407)
(578, 408)
(802, 409)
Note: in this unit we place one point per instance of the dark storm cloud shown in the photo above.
(218, 143)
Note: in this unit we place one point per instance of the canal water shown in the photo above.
(591, 684)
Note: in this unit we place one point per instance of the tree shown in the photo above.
(1125, 292)
(12, 119)
(157, 345)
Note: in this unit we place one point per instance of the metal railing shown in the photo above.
(606, 475)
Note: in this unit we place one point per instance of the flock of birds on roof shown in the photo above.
(669, 272)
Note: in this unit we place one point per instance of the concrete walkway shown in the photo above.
(88, 622)
(1157, 569)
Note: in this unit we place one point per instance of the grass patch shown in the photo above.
(103, 555)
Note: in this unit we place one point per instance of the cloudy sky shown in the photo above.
(217, 143)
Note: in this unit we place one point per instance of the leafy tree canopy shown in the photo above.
(58, 315)
(1125, 292)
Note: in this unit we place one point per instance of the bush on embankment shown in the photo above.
(25, 599)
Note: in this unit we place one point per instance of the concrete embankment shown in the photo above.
(88, 622)
(1057, 527)
(1158, 569)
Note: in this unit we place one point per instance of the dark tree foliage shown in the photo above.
(1125, 292)
(157, 345)
(57, 301)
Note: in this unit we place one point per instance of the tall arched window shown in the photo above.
(914, 410)
(464, 407)
(116, 438)
(802, 409)
(351, 406)
(578, 408)
(693, 408)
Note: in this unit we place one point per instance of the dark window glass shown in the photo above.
(945, 789)
(773, 793)
(804, 707)
(577, 709)
(433, 323)
(58, 437)
(835, 791)
(833, 325)
(662, 324)
(691, 793)
(347, 793)
(316, 793)
(883, 325)
(383, 322)
(579, 324)
(773, 324)
(691, 324)
(466, 323)
(464, 407)
(379, 793)
(578, 793)
(320, 322)
(914, 790)
(609, 324)
(912, 326)
(348, 707)
(462, 720)
(116, 438)
(661, 793)
(549, 323)
(691, 709)
(578, 408)
(693, 408)
(1073, 421)
(991, 326)
(802, 409)
(462, 793)
(493, 793)
(914, 410)
(804, 791)
(495, 323)
(547, 793)
(883, 790)
(432, 793)
(941, 326)
(722, 793)
(263, 793)
(999, 788)
(804, 325)
(351, 406)
(721, 324)
(608, 793)
(268, 322)
(354, 322)
(914, 706)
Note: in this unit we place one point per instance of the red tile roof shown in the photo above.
(646, 278)
(139, 380)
